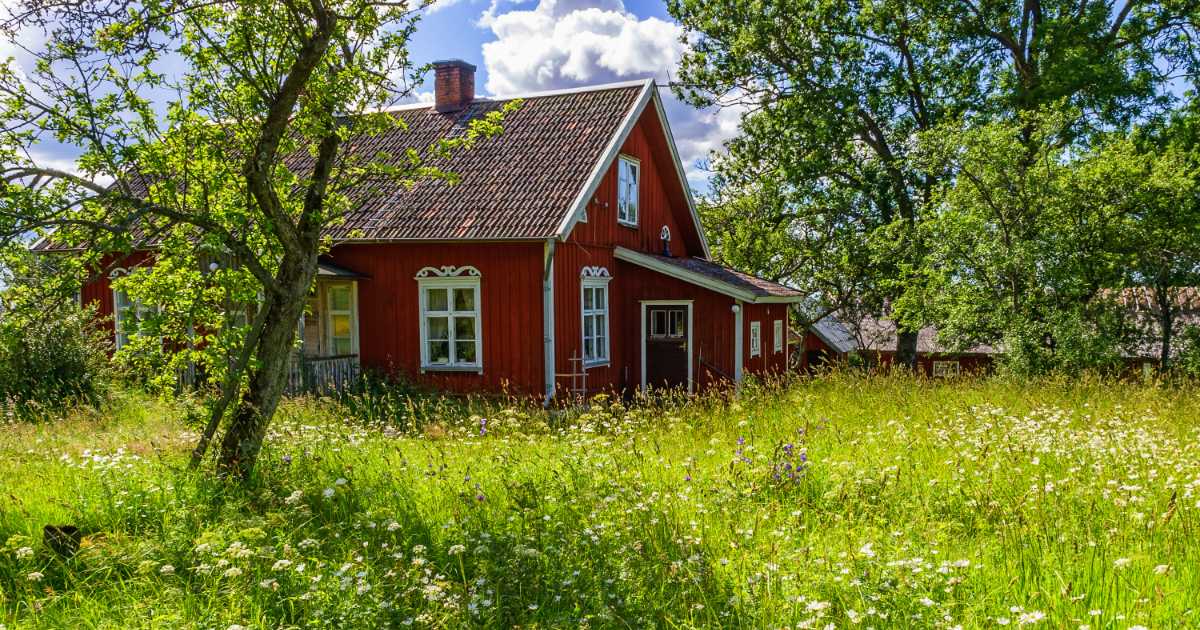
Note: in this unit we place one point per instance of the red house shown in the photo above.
(570, 246)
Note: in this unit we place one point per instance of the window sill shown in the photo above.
(632, 226)
(478, 369)
(587, 365)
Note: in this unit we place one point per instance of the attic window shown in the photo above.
(629, 173)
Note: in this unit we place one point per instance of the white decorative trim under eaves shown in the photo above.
(594, 272)
(448, 271)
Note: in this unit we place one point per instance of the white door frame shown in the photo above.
(688, 303)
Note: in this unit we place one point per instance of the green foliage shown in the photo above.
(53, 359)
(1029, 251)
(918, 505)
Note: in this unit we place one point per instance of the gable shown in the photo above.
(645, 136)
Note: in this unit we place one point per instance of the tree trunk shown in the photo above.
(906, 348)
(1166, 321)
(243, 440)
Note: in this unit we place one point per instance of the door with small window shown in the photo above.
(667, 338)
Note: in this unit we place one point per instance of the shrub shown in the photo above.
(52, 359)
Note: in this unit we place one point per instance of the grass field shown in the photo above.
(845, 502)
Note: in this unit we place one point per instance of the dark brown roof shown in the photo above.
(518, 185)
(703, 271)
(879, 335)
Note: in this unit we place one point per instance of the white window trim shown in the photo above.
(777, 338)
(450, 277)
(138, 307)
(755, 339)
(946, 368)
(595, 278)
(637, 201)
(329, 313)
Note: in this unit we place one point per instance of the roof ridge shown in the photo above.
(599, 87)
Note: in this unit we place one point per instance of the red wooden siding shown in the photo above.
(510, 305)
(769, 362)
(99, 291)
(659, 203)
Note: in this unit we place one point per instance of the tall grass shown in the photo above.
(884, 502)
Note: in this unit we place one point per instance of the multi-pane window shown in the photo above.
(755, 339)
(595, 320)
(777, 338)
(340, 303)
(450, 323)
(668, 323)
(946, 369)
(629, 172)
(127, 316)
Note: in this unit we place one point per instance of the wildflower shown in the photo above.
(482, 427)
(456, 550)
(294, 498)
(341, 481)
(166, 569)
(269, 584)
(1095, 612)
(327, 493)
(1121, 563)
(35, 576)
(1003, 621)
(393, 526)
(281, 565)
(236, 626)
(867, 551)
(1030, 618)
(925, 601)
(24, 552)
(232, 572)
(1162, 569)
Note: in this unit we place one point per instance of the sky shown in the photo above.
(523, 46)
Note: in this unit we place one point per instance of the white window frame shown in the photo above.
(946, 368)
(624, 216)
(595, 279)
(120, 338)
(330, 312)
(755, 339)
(777, 340)
(450, 278)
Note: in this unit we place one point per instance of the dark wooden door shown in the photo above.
(666, 346)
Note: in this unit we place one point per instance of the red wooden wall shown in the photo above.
(99, 291)
(510, 305)
(770, 362)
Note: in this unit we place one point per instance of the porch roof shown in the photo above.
(710, 275)
(327, 271)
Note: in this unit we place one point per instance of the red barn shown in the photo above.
(571, 246)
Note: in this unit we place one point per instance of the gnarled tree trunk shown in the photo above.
(243, 439)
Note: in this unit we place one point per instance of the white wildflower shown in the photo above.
(35, 576)
(866, 551)
(232, 572)
(327, 493)
(166, 569)
(281, 565)
(24, 552)
(1162, 569)
(294, 498)
(456, 550)
(1121, 563)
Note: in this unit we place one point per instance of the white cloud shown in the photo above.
(569, 43)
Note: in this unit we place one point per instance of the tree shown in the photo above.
(1164, 232)
(219, 131)
(1030, 251)
(835, 93)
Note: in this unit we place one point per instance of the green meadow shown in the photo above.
(840, 502)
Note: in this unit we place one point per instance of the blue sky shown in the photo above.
(522, 46)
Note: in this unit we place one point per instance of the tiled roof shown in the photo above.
(711, 275)
(518, 185)
(879, 334)
(758, 286)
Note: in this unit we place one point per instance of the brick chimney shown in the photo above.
(453, 85)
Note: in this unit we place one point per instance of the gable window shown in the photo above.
(755, 339)
(777, 339)
(629, 173)
(450, 318)
(594, 283)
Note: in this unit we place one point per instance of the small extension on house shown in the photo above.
(569, 258)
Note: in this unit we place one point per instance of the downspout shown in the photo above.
(548, 319)
(737, 343)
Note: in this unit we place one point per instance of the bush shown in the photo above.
(52, 359)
